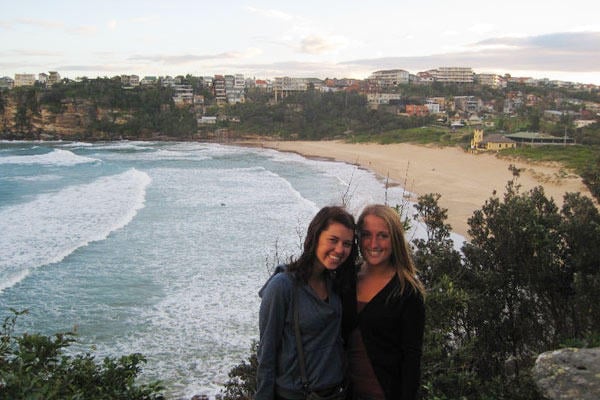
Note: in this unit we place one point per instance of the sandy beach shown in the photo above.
(464, 180)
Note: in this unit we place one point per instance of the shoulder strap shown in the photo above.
(301, 361)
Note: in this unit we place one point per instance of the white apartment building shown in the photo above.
(148, 80)
(167, 81)
(382, 98)
(493, 80)
(6, 82)
(183, 94)
(454, 75)
(392, 77)
(290, 84)
(53, 77)
(219, 89)
(43, 78)
(283, 86)
(24, 80)
(130, 80)
(234, 88)
(433, 107)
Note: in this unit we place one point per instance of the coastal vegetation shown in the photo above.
(34, 366)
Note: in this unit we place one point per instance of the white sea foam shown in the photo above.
(77, 144)
(211, 263)
(37, 178)
(52, 226)
(125, 145)
(58, 157)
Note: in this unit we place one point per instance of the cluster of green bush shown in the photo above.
(37, 367)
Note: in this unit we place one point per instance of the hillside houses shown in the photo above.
(395, 91)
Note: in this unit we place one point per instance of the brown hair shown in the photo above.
(401, 257)
(326, 216)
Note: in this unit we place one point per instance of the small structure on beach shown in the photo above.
(538, 138)
(491, 142)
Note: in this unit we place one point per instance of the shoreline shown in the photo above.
(464, 180)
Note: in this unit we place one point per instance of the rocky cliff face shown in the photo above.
(74, 120)
(568, 374)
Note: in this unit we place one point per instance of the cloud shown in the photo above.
(40, 23)
(314, 44)
(30, 53)
(270, 13)
(93, 68)
(184, 58)
(144, 19)
(573, 51)
(83, 30)
(573, 42)
(112, 24)
(49, 24)
(481, 28)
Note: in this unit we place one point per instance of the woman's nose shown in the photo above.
(373, 241)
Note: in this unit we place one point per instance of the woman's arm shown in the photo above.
(271, 321)
(413, 325)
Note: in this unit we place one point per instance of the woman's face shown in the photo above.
(334, 246)
(375, 241)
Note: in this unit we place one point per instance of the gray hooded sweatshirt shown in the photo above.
(320, 321)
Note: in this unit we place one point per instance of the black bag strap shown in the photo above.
(300, 348)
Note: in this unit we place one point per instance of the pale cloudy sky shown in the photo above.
(553, 39)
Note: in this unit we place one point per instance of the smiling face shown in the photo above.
(334, 246)
(375, 241)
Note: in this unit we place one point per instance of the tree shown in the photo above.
(580, 229)
(242, 378)
(34, 366)
(445, 363)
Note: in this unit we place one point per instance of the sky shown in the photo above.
(558, 40)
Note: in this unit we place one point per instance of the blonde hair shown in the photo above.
(401, 257)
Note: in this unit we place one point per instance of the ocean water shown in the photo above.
(159, 247)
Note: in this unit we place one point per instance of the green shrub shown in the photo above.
(34, 366)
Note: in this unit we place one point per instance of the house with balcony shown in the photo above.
(454, 75)
(417, 110)
(149, 80)
(468, 104)
(6, 82)
(284, 86)
(376, 99)
(218, 86)
(43, 78)
(183, 94)
(24, 80)
(391, 77)
(493, 80)
(53, 77)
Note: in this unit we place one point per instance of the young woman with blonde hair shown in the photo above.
(383, 311)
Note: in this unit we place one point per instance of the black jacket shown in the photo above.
(392, 331)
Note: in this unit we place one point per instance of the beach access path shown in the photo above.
(463, 179)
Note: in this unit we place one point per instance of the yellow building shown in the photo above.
(492, 142)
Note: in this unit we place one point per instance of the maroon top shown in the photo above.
(363, 377)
